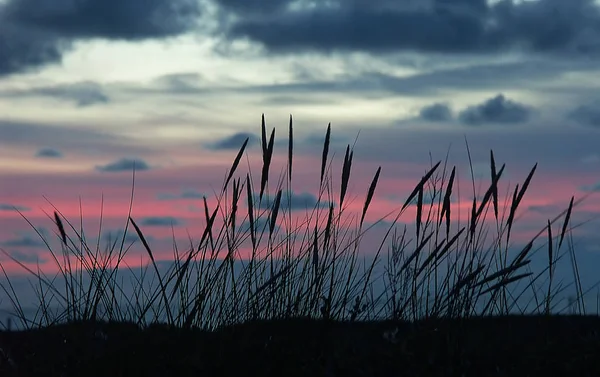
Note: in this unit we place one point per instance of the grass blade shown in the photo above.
(290, 148)
(250, 211)
(567, 218)
(325, 153)
(149, 251)
(420, 185)
(370, 195)
(274, 213)
(494, 179)
(345, 174)
(61, 228)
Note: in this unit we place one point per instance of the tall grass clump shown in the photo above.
(311, 268)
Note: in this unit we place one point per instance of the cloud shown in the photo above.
(24, 257)
(591, 159)
(591, 188)
(233, 142)
(24, 241)
(116, 236)
(294, 202)
(254, 6)
(587, 115)
(496, 110)
(438, 112)
(160, 221)
(89, 139)
(25, 48)
(83, 94)
(124, 164)
(261, 226)
(385, 26)
(38, 32)
(108, 19)
(49, 152)
(10, 207)
(550, 210)
(185, 194)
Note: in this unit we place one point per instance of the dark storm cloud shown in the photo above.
(160, 221)
(496, 110)
(438, 112)
(23, 49)
(49, 153)
(110, 19)
(553, 26)
(587, 115)
(124, 164)
(233, 142)
(35, 33)
(255, 6)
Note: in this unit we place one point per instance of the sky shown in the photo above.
(90, 88)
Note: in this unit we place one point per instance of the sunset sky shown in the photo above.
(88, 88)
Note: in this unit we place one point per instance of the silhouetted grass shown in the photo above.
(313, 282)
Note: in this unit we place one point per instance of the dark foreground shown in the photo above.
(500, 346)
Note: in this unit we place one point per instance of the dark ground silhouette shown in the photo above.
(492, 346)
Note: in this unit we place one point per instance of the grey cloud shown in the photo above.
(10, 207)
(587, 115)
(429, 198)
(110, 19)
(498, 76)
(546, 209)
(26, 48)
(83, 94)
(26, 257)
(49, 152)
(438, 112)
(591, 188)
(24, 241)
(160, 221)
(185, 194)
(39, 32)
(436, 79)
(254, 6)
(591, 159)
(496, 110)
(294, 202)
(297, 100)
(233, 142)
(66, 137)
(115, 237)
(262, 224)
(557, 147)
(124, 164)
(381, 26)
(181, 83)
